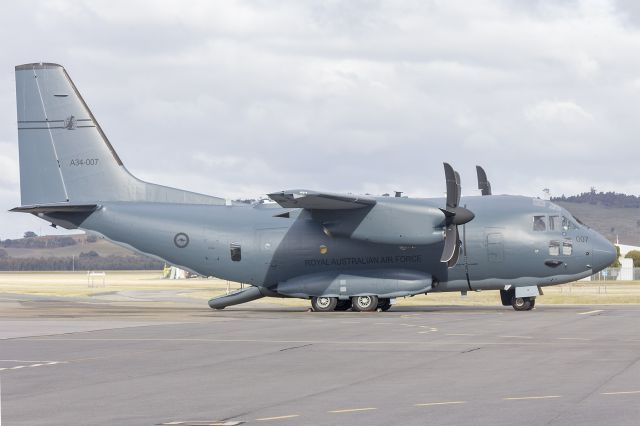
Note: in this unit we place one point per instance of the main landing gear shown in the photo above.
(366, 303)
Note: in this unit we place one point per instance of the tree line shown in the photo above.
(84, 262)
(607, 199)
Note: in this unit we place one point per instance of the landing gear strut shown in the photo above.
(384, 304)
(343, 305)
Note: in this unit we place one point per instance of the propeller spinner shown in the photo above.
(454, 216)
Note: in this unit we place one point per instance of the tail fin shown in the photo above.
(65, 156)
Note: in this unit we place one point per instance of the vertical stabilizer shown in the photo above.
(65, 156)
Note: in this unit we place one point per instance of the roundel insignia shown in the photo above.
(181, 240)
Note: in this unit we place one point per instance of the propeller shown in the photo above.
(483, 183)
(454, 216)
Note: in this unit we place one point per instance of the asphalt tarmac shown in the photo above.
(65, 362)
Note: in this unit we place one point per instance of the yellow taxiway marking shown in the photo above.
(428, 404)
(620, 393)
(352, 410)
(516, 398)
(591, 312)
(290, 416)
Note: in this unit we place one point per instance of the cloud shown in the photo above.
(563, 112)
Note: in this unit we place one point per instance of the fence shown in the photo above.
(616, 274)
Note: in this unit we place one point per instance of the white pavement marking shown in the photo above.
(18, 367)
(573, 338)
(517, 337)
(290, 416)
(352, 410)
(591, 312)
(428, 404)
(620, 393)
(531, 397)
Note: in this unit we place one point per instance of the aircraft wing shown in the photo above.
(312, 200)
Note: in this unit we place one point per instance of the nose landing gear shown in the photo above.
(523, 303)
(508, 297)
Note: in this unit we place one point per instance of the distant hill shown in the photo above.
(606, 199)
(68, 252)
(612, 214)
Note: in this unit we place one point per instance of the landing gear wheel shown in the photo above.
(522, 303)
(343, 305)
(364, 303)
(323, 303)
(384, 304)
(533, 303)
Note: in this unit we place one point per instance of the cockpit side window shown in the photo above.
(568, 224)
(554, 248)
(567, 248)
(554, 223)
(539, 223)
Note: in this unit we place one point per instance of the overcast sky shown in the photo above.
(237, 99)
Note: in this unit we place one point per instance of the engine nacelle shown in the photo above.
(388, 223)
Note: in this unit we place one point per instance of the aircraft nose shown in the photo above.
(604, 253)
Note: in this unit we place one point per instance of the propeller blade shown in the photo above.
(452, 186)
(483, 183)
(450, 243)
(456, 254)
(458, 187)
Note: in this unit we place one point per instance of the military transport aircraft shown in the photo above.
(341, 251)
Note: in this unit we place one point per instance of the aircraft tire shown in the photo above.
(521, 303)
(324, 303)
(533, 303)
(384, 304)
(364, 303)
(343, 305)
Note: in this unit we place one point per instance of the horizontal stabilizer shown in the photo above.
(312, 200)
(56, 208)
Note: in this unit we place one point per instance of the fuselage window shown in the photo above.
(236, 252)
(554, 248)
(554, 223)
(568, 224)
(567, 248)
(539, 223)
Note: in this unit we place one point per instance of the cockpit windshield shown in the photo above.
(568, 224)
(555, 223)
